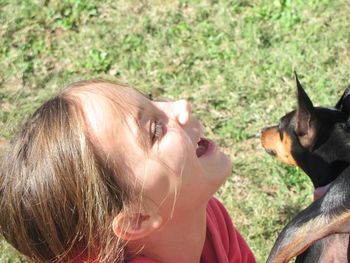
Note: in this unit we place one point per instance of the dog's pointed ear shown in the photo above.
(306, 122)
(344, 102)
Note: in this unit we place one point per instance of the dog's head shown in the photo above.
(316, 139)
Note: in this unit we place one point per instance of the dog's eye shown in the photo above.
(280, 131)
(281, 134)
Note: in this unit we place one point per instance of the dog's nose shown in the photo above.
(271, 152)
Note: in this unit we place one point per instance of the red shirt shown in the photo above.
(223, 243)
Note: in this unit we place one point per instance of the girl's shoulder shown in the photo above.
(217, 213)
(223, 241)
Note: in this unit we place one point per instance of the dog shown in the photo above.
(316, 139)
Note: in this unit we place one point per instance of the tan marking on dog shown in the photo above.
(309, 233)
(271, 140)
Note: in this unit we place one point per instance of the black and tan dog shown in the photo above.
(316, 139)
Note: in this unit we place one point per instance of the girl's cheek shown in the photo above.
(156, 184)
(173, 150)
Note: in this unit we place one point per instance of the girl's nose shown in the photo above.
(182, 110)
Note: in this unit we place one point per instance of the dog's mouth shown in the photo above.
(271, 152)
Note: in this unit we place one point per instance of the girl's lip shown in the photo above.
(211, 148)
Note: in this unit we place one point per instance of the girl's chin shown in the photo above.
(220, 173)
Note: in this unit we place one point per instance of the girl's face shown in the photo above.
(163, 145)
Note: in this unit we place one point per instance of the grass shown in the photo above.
(234, 60)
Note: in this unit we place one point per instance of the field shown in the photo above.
(233, 60)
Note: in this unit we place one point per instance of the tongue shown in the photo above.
(202, 148)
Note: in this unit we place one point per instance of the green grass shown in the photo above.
(234, 60)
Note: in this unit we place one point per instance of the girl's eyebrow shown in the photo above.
(150, 96)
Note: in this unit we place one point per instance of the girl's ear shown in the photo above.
(134, 226)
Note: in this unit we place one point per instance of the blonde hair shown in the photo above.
(59, 195)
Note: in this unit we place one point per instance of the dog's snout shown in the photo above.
(271, 152)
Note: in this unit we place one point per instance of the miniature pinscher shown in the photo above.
(317, 139)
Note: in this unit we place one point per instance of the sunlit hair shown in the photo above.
(59, 192)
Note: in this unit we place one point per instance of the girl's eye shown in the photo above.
(156, 130)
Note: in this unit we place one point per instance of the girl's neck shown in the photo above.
(181, 240)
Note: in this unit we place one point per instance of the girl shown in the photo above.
(100, 173)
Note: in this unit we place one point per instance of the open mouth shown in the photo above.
(202, 147)
(271, 152)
